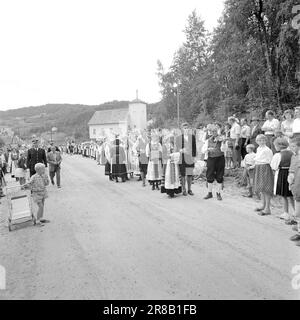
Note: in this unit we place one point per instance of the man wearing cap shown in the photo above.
(186, 145)
(296, 123)
(35, 155)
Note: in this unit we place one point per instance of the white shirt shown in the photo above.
(287, 128)
(276, 161)
(264, 155)
(296, 125)
(249, 159)
(273, 124)
(235, 131)
(245, 131)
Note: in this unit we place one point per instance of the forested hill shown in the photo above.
(69, 119)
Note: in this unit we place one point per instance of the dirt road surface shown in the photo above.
(123, 241)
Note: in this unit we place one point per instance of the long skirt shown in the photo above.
(263, 179)
(107, 168)
(118, 170)
(281, 185)
(154, 171)
(13, 169)
(171, 179)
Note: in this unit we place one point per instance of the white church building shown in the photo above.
(113, 120)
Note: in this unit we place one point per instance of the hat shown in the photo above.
(254, 119)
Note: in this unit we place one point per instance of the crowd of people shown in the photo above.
(267, 152)
(26, 164)
(268, 155)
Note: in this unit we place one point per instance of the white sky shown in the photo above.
(90, 51)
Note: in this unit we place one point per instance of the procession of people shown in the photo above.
(269, 156)
(266, 151)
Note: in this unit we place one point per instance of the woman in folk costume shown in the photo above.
(127, 145)
(102, 158)
(140, 149)
(154, 153)
(14, 162)
(106, 148)
(118, 161)
(135, 157)
(171, 174)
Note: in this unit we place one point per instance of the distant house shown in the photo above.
(113, 120)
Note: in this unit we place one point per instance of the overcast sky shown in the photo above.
(90, 51)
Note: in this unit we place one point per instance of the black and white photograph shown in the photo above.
(149, 150)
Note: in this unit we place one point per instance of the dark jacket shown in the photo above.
(186, 158)
(255, 133)
(35, 156)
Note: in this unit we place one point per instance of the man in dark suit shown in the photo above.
(185, 143)
(35, 155)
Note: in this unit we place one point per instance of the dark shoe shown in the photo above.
(262, 213)
(184, 193)
(219, 197)
(291, 222)
(52, 182)
(208, 196)
(258, 209)
(295, 237)
(44, 221)
(190, 192)
(58, 187)
(248, 195)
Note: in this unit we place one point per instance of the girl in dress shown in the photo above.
(154, 154)
(280, 164)
(263, 175)
(228, 148)
(171, 174)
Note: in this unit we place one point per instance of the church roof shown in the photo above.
(109, 116)
(138, 101)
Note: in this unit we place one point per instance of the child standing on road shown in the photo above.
(249, 161)
(37, 184)
(281, 164)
